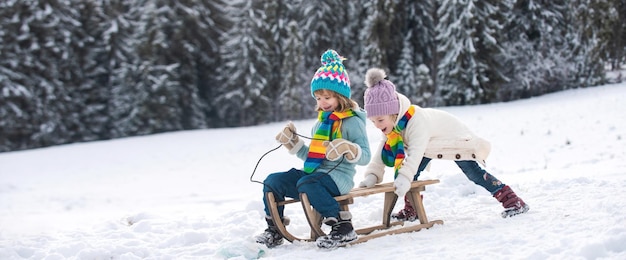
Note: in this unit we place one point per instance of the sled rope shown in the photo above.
(276, 148)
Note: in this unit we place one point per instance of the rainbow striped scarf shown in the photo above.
(329, 129)
(393, 151)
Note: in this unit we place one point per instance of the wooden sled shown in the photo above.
(273, 207)
(315, 220)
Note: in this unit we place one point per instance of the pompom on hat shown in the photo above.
(332, 75)
(380, 96)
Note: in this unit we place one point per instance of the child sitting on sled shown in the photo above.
(414, 136)
(339, 143)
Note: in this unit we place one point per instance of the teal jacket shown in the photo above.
(352, 129)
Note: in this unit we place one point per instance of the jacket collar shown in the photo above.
(405, 103)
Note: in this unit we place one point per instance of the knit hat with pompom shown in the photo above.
(332, 75)
(380, 96)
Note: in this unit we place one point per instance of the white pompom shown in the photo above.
(373, 76)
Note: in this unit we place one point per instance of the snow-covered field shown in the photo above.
(188, 195)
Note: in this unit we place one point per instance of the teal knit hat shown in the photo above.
(332, 75)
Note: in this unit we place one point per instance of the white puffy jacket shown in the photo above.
(434, 134)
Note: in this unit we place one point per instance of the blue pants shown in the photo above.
(319, 188)
(473, 172)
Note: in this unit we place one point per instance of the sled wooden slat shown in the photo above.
(406, 229)
(273, 208)
(315, 220)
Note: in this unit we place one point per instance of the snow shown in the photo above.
(188, 195)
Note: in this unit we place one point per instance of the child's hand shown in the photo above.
(340, 147)
(288, 138)
(287, 135)
(402, 185)
(369, 181)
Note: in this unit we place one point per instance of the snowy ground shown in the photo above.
(188, 195)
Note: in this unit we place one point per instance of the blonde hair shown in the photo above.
(344, 103)
(394, 118)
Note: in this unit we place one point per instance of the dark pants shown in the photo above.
(319, 188)
(474, 173)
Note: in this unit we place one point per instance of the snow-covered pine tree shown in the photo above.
(122, 64)
(468, 72)
(40, 84)
(418, 45)
(19, 105)
(413, 80)
(324, 26)
(614, 34)
(85, 72)
(294, 97)
(245, 68)
(534, 51)
(374, 37)
(197, 52)
(588, 20)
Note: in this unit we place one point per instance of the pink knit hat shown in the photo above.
(380, 95)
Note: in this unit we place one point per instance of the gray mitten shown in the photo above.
(288, 138)
(402, 185)
(342, 147)
(369, 181)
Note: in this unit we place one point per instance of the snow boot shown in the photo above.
(341, 234)
(512, 204)
(271, 237)
(408, 213)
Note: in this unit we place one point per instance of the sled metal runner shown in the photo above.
(387, 227)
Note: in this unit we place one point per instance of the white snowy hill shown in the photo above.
(188, 195)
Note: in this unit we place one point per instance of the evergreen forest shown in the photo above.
(86, 70)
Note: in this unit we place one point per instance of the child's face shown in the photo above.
(326, 101)
(384, 123)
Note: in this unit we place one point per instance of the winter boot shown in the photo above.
(271, 237)
(342, 231)
(512, 204)
(407, 213)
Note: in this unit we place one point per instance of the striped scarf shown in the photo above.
(393, 151)
(329, 129)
